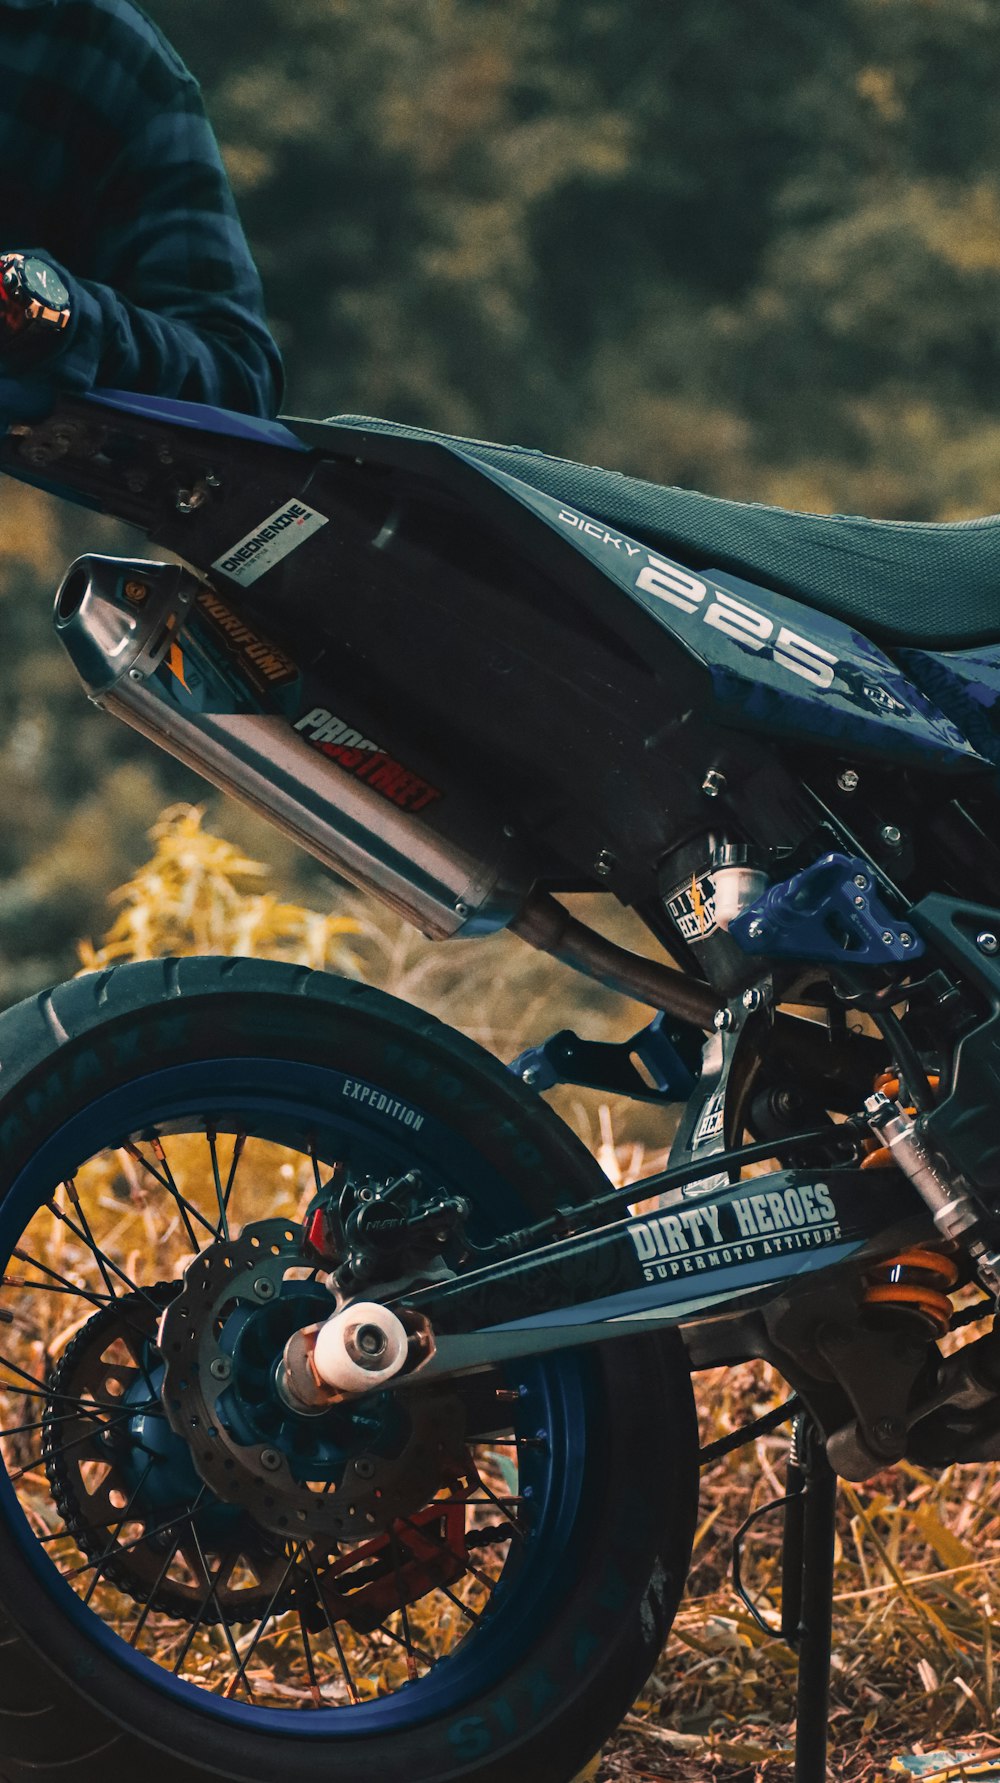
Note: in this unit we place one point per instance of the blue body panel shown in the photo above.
(199, 416)
(776, 665)
(966, 685)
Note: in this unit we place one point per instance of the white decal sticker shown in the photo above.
(381, 1103)
(282, 532)
(770, 1224)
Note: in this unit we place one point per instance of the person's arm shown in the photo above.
(172, 304)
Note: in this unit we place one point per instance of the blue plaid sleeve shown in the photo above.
(165, 296)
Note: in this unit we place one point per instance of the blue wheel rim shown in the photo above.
(280, 1098)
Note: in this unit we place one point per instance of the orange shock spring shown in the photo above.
(917, 1281)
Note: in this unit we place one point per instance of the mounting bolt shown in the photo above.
(264, 1288)
(135, 674)
(270, 1460)
(714, 783)
(892, 835)
(530, 1075)
(221, 1368)
(859, 903)
(848, 780)
(756, 929)
(604, 864)
(364, 1468)
(752, 1000)
(987, 942)
(860, 881)
(906, 938)
(888, 1430)
(887, 937)
(723, 1020)
(461, 910)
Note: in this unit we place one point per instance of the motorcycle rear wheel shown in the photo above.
(173, 1054)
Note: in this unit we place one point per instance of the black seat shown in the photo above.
(901, 581)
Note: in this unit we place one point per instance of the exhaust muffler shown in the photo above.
(161, 650)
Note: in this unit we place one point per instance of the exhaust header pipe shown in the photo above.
(164, 652)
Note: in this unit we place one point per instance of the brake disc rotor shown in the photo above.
(394, 1456)
(124, 1484)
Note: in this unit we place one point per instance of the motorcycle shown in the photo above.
(345, 1406)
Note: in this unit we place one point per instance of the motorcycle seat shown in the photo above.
(928, 584)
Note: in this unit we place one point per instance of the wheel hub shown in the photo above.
(339, 1474)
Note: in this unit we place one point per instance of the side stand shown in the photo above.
(807, 1592)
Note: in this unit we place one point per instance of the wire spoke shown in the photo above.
(126, 1547)
(222, 1229)
(314, 1683)
(100, 1259)
(147, 1607)
(64, 1449)
(518, 1528)
(125, 1518)
(132, 1286)
(262, 1624)
(411, 1658)
(18, 1281)
(240, 1142)
(226, 1564)
(98, 1300)
(42, 1424)
(352, 1689)
(185, 1208)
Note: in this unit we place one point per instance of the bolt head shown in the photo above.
(461, 910)
(264, 1288)
(906, 938)
(723, 1020)
(987, 942)
(756, 929)
(892, 835)
(714, 783)
(221, 1368)
(604, 864)
(270, 1460)
(530, 1076)
(371, 1341)
(859, 903)
(848, 780)
(887, 937)
(860, 881)
(752, 999)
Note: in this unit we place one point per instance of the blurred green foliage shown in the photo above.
(747, 245)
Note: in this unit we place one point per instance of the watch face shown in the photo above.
(43, 283)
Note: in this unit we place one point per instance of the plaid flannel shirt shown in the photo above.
(110, 171)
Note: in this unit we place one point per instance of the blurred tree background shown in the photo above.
(751, 246)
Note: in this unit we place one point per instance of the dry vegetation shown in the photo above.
(917, 1556)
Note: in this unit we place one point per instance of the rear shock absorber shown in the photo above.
(956, 1213)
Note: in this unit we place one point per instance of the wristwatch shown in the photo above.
(34, 302)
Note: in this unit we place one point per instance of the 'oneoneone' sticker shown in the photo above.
(282, 532)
